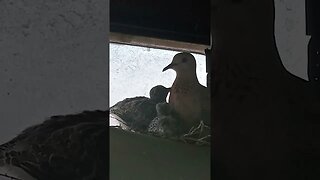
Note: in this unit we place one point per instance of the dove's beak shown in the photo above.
(170, 66)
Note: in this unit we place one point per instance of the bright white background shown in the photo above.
(135, 70)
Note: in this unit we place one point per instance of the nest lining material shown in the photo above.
(198, 135)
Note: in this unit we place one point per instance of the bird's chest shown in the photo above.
(185, 101)
(180, 93)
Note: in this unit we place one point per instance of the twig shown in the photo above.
(208, 136)
(11, 177)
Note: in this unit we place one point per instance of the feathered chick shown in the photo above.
(138, 112)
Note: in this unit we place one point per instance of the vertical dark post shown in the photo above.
(258, 118)
(313, 29)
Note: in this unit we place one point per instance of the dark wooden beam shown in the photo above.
(186, 21)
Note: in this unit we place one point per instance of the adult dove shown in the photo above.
(189, 99)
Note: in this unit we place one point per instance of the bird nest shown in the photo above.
(198, 135)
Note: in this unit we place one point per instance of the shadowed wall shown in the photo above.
(53, 60)
(262, 127)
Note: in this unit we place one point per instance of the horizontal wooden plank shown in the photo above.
(136, 156)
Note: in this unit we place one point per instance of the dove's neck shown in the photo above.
(187, 77)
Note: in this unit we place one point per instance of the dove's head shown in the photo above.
(159, 93)
(182, 62)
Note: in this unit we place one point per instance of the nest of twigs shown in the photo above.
(197, 135)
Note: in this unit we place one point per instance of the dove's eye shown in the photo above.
(184, 60)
